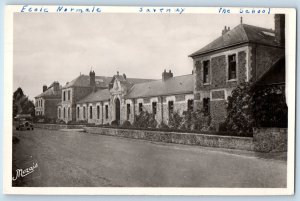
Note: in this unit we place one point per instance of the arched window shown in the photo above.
(78, 112)
(98, 111)
(91, 112)
(59, 113)
(64, 112)
(69, 113)
(83, 112)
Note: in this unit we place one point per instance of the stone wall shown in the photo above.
(57, 126)
(229, 142)
(270, 139)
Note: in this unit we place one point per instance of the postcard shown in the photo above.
(107, 100)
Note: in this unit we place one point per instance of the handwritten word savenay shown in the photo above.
(25, 172)
(161, 10)
(61, 9)
(246, 10)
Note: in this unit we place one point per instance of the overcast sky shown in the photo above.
(58, 47)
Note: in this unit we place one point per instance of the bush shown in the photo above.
(262, 106)
(269, 107)
(195, 120)
(162, 125)
(239, 112)
(145, 120)
(126, 124)
(114, 123)
(174, 120)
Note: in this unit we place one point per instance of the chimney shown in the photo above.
(280, 29)
(45, 88)
(55, 86)
(92, 78)
(166, 75)
(225, 30)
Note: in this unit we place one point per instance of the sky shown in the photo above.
(58, 47)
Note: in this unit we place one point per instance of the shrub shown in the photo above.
(195, 120)
(114, 123)
(145, 120)
(269, 107)
(126, 124)
(59, 121)
(162, 125)
(239, 112)
(174, 120)
(255, 106)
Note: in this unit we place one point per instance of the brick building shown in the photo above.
(46, 102)
(245, 53)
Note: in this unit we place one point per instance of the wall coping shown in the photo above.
(181, 133)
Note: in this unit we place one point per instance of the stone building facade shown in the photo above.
(124, 99)
(46, 102)
(242, 54)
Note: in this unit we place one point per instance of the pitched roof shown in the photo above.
(171, 86)
(84, 81)
(129, 81)
(99, 95)
(243, 33)
(50, 93)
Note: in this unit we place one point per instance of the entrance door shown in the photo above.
(117, 102)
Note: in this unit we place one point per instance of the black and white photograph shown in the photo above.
(151, 97)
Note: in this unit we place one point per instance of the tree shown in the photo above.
(21, 103)
(239, 109)
(256, 106)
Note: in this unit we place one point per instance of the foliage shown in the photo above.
(250, 107)
(114, 123)
(126, 124)
(145, 120)
(174, 120)
(162, 125)
(195, 120)
(270, 107)
(21, 104)
(239, 110)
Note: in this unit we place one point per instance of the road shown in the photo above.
(72, 158)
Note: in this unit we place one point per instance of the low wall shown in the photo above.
(57, 126)
(229, 142)
(270, 139)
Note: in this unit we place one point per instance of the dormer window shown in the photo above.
(232, 67)
(206, 65)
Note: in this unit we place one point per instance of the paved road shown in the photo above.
(80, 159)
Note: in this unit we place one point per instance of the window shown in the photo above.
(154, 108)
(231, 67)
(78, 112)
(106, 111)
(69, 115)
(190, 105)
(128, 111)
(64, 112)
(59, 113)
(206, 71)
(69, 95)
(91, 112)
(140, 107)
(171, 106)
(64, 96)
(83, 112)
(206, 105)
(98, 111)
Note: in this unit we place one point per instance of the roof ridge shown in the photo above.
(244, 31)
